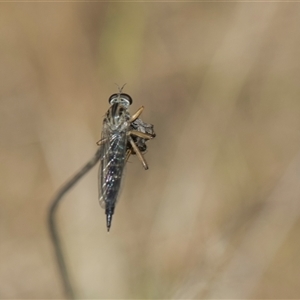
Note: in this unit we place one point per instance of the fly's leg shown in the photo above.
(136, 115)
(137, 152)
(145, 136)
(135, 148)
(142, 135)
(128, 153)
(101, 141)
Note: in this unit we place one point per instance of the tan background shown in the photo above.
(217, 214)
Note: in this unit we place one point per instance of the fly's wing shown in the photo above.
(112, 164)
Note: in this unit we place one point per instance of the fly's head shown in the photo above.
(120, 98)
(118, 115)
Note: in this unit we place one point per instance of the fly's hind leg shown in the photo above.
(137, 152)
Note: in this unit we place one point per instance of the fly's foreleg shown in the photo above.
(136, 115)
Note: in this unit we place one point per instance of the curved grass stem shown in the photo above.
(52, 224)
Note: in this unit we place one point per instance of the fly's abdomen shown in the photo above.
(112, 167)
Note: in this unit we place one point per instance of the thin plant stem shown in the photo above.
(63, 270)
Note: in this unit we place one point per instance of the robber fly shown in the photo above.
(122, 135)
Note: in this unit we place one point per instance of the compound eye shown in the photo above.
(127, 98)
(120, 98)
(112, 97)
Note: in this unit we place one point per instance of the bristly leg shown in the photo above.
(136, 114)
(140, 133)
(138, 153)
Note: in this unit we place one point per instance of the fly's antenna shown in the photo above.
(120, 89)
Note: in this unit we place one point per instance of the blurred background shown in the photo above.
(217, 215)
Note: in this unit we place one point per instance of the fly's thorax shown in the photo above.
(117, 117)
